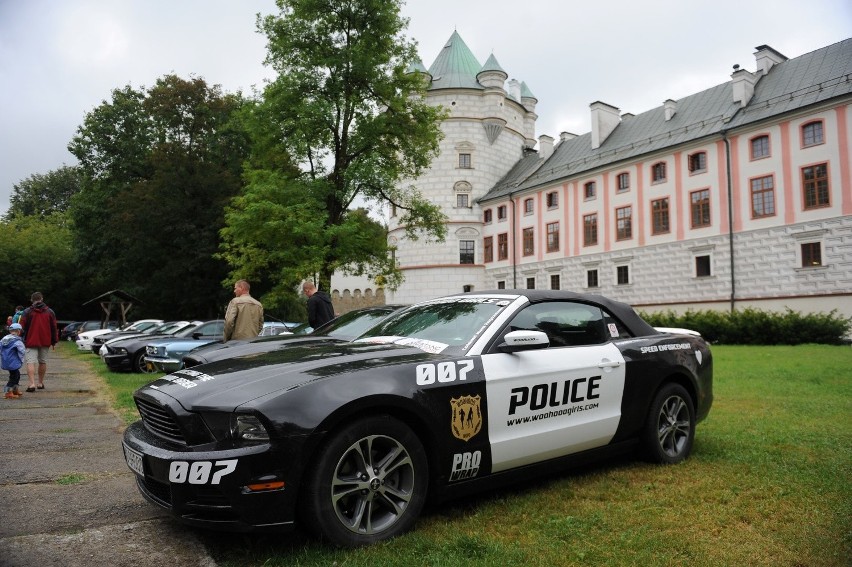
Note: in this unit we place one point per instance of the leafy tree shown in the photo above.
(44, 194)
(344, 108)
(159, 166)
(36, 254)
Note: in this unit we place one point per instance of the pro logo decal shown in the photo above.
(467, 417)
(465, 465)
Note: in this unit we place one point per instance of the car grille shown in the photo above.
(159, 422)
(156, 490)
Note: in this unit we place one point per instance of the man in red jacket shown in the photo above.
(40, 335)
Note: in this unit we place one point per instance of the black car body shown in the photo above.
(443, 398)
(128, 353)
(343, 328)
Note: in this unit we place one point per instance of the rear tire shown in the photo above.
(369, 483)
(670, 427)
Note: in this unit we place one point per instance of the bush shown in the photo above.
(755, 327)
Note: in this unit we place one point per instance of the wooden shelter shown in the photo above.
(115, 301)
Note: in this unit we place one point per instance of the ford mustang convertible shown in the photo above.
(443, 398)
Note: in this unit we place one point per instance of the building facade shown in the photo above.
(736, 196)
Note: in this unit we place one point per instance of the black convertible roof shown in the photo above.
(622, 311)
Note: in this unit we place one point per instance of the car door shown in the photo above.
(551, 402)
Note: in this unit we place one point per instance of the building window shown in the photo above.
(553, 237)
(622, 275)
(660, 214)
(502, 246)
(592, 278)
(466, 251)
(815, 184)
(658, 172)
(811, 254)
(464, 161)
(462, 201)
(702, 266)
(528, 206)
(529, 244)
(762, 197)
(812, 134)
(501, 284)
(589, 190)
(554, 281)
(488, 249)
(486, 216)
(623, 182)
(552, 200)
(700, 208)
(624, 223)
(530, 283)
(590, 229)
(698, 162)
(760, 147)
(501, 212)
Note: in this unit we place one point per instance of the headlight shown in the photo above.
(248, 429)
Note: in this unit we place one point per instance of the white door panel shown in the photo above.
(552, 402)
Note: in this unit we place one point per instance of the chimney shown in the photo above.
(766, 58)
(565, 136)
(545, 146)
(514, 90)
(670, 107)
(743, 85)
(604, 120)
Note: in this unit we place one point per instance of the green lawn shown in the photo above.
(768, 484)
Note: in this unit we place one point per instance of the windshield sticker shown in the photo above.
(423, 344)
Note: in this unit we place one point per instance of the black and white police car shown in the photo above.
(442, 398)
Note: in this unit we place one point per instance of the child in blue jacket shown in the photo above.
(12, 358)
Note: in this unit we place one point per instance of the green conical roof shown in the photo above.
(455, 67)
(526, 92)
(491, 64)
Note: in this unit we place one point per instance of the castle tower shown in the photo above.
(485, 134)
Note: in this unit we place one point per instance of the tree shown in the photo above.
(159, 166)
(36, 254)
(44, 194)
(345, 109)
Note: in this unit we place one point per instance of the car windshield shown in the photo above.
(350, 325)
(434, 326)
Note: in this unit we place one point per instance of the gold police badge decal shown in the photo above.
(467, 417)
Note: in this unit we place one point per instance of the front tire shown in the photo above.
(138, 363)
(369, 483)
(670, 427)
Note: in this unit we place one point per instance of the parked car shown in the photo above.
(343, 328)
(70, 331)
(165, 355)
(438, 400)
(141, 327)
(129, 353)
(86, 339)
(272, 328)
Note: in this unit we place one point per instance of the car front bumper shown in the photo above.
(216, 489)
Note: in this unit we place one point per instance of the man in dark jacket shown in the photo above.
(40, 335)
(320, 310)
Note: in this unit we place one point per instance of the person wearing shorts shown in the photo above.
(40, 335)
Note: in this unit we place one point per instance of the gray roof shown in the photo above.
(791, 85)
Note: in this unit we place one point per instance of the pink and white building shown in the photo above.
(736, 196)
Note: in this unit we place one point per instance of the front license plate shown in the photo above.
(134, 460)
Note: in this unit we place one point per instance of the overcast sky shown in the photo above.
(61, 59)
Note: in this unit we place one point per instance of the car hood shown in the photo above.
(227, 384)
(232, 349)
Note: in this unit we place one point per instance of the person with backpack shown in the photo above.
(40, 334)
(12, 353)
(19, 310)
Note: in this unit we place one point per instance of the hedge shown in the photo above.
(755, 327)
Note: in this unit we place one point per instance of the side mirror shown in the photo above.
(517, 341)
